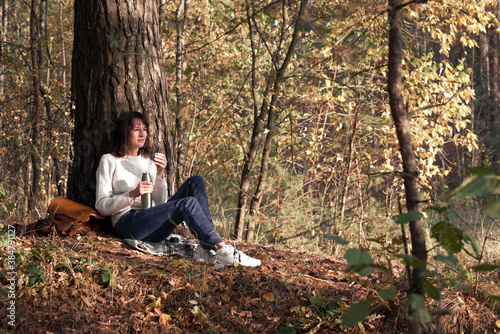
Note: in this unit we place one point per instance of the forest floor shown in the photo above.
(99, 284)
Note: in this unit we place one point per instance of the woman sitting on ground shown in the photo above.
(120, 186)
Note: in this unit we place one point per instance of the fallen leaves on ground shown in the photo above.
(100, 285)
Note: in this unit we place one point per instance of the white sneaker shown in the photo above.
(202, 255)
(228, 255)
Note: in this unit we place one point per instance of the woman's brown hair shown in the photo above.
(123, 126)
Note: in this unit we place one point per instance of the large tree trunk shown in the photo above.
(116, 67)
(402, 122)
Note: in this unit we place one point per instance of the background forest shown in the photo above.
(331, 155)
(284, 108)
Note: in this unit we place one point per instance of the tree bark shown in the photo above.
(42, 35)
(117, 66)
(494, 110)
(3, 31)
(181, 106)
(348, 169)
(61, 167)
(401, 120)
(36, 161)
(63, 45)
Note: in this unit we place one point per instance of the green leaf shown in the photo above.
(466, 287)
(486, 267)
(107, 274)
(337, 240)
(359, 261)
(386, 294)
(475, 185)
(482, 170)
(441, 312)
(4, 239)
(288, 329)
(450, 259)
(356, 313)
(450, 237)
(199, 314)
(418, 310)
(410, 216)
(495, 298)
(430, 290)
(318, 301)
(493, 210)
(475, 246)
(379, 240)
(439, 209)
(412, 261)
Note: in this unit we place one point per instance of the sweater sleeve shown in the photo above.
(160, 191)
(108, 203)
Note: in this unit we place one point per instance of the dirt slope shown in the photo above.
(100, 285)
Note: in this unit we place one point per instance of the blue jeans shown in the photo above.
(189, 204)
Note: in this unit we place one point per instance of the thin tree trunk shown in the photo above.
(40, 24)
(347, 178)
(42, 35)
(271, 110)
(401, 120)
(264, 169)
(43, 42)
(3, 31)
(361, 210)
(483, 66)
(61, 168)
(494, 99)
(63, 45)
(36, 161)
(181, 107)
(57, 170)
(482, 93)
(259, 119)
(271, 118)
(161, 8)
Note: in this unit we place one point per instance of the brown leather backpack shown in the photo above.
(67, 217)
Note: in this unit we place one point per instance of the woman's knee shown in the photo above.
(196, 179)
(189, 203)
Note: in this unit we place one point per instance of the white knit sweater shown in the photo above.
(116, 177)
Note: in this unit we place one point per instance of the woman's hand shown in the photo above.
(160, 162)
(144, 187)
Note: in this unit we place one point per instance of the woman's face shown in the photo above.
(137, 136)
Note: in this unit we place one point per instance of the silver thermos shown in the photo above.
(146, 201)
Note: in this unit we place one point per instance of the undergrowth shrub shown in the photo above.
(455, 259)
